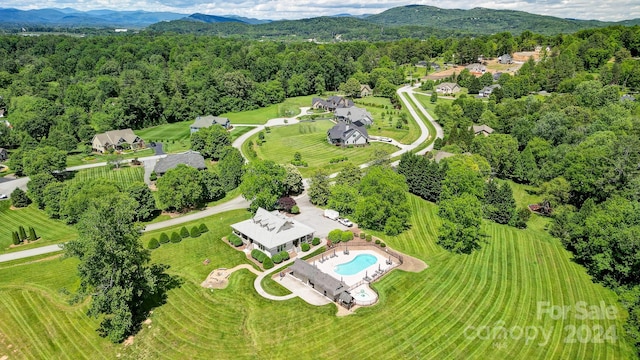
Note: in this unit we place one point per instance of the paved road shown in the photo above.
(238, 202)
(31, 252)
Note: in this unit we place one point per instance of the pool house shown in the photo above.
(323, 283)
(272, 232)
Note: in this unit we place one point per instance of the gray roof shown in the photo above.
(442, 155)
(189, 158)
(208, 121)
(476, 67)
(627, 97)
(447, 85)
(482, 128)
(116, 137)
(343, 131)
(272, 229)
(332, 102)
(354, 113)
(319, 278)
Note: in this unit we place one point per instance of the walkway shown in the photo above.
(29, 253)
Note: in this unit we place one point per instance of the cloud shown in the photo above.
(296, 9)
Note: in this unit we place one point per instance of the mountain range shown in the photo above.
(407, 20)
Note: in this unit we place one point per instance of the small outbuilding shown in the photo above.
(323, 283)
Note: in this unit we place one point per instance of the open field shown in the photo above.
(175, 137)
(310, 140)
(423, 315)
(50, 231)
(384, 125)
(288, 108)
(123, 176)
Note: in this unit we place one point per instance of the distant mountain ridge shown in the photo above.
(75, 18)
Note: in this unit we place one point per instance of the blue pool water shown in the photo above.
(359, 263)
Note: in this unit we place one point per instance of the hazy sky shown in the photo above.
(611, 10)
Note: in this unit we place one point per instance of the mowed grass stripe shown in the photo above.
(124, 176)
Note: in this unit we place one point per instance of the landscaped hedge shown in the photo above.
(153, 244)
(362, 235)
(315, 241)
(346, 236)
(259, 256)
(268, 263)
(383, 244)
(338, 159)
(295, 209)
(277, 259)
(175, 237)
(195, 232)
(378, 241)
(184, 232)
(305, 247)
(368, 237)
(335, 235)
(164, 238)
(284, 255)
(236, 241)
(203, 228)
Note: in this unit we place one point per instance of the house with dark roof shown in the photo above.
(3, 154)
(272, 232)
(208, 121)
(323, 283)
(332, 103)
(488, 90)
(189, 158)
(355, 115)
(496, 76)
(343, 134)
(505, 59)
(116, 140)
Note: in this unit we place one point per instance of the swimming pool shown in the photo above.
(356, 265)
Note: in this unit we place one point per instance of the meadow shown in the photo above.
(434, 314)
(50, 231)
(310, 139)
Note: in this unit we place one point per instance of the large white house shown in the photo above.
(272, 232)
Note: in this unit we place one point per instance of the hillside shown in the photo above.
(74, 18)
(484, 21)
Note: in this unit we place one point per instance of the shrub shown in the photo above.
(259, 255)
(164, 238)
(195, 232)
(362, 235)
(32, 234)
(335, 235)
(235, 241)
(315, 241)
(284, 255)
(19, 198)
(184, 232)
(346, 236)
(305, 247)
(295, 209)
(268, 263)
(277, 259)
(338, 159)
(203, 228)
(368, 237)
(153, 176)
(383, 244)
(22, 233)
(286, 203)
(378, 241)
(153, 244)
(16, 238)
(175, 237)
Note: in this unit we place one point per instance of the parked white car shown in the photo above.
(385, 139)
(345, 222)
(3, 196)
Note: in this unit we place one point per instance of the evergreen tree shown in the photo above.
(164, 238)
(19, 198)
(195, 232)
(203, 228)
(32, 234)
(319, 189)
(175, 237)
(434, 97)
(184, 233)
(23, 233)
(16, 238)
(499, 204)
(153, 244)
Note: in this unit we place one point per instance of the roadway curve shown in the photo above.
(238, 202)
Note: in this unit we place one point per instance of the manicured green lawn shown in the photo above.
(288, 108)
(83, 159)
(50, 231)
(310, 139)
(434, 314)
(385, 125)
(123, 176)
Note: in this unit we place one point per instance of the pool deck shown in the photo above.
(328, 264)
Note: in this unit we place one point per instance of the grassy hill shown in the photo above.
(424, 315)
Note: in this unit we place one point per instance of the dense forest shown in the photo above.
(580, 144)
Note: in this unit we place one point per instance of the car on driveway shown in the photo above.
(3, 196)
(346, 222)
(385, 139)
